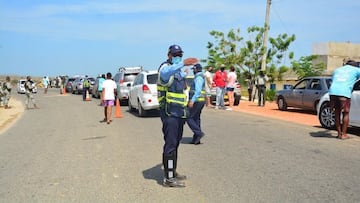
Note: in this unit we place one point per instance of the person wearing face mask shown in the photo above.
(173, 111)
(196, 104)
(220, 79)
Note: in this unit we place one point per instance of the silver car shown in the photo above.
(305, 94)
(327, 116)
(124, 79)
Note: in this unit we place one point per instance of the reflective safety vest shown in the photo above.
(202, 96)
(171, 96)
(86, 83)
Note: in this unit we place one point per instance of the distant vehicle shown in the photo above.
(68, 84)
(95, 93)
(21, 86)
(305, 94)
(124, 79)
(143, 93)
(237, 94)
(77, 84)
(327, 116)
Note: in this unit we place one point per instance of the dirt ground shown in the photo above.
(9, 116)
(271, 110)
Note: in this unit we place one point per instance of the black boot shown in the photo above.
(170, 180)
(178, 176)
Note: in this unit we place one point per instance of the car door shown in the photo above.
(312, 93)
(133, 91)
(355, 105)
(295, 96)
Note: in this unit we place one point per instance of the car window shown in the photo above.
(302, 84)
(152, 79)
(189, 81)
(138, 79)
(328, 82)
(130, 77)
(315, 84)
(357, 86)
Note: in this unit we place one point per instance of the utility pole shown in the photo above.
(263, 61)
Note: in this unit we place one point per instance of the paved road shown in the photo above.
(62, 153)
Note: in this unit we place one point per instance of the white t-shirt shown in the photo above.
(109, 86)
(207, 75)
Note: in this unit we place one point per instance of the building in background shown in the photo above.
(333, 53)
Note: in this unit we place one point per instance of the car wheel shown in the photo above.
(282, 104)
(131, 109)
(237, 100)
(327, 116)
(141, 111)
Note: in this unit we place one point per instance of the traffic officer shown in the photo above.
(196, 104)
(86, 87)
(173, 110)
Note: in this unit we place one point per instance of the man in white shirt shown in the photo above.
(108, 96)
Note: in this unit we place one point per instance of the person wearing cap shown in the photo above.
(173, 111)
(196, 104)
(220, 79)
(29, 93)
(343, 80)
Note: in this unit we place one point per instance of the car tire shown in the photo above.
(141, 111)
(282, 104)
(237, 100)
(131, 109)
(327, 116)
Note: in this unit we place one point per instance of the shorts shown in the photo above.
(230, 89)
(339, 102)
(207, 91)
(108, 103)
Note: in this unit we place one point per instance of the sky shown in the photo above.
(77, 37)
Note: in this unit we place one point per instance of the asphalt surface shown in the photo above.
(63, 153)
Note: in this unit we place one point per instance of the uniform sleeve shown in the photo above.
(199, 82)
(167, 71)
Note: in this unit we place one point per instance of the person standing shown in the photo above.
(220, 79)
(343, 80)
(230, 86)
(260, 82)
(250, 86)
(100, 86)
(29, 93)
(108, 96)
(6, 86)
(45, 82)
(86, 87)
(196, 104)
(173, 111)
(208, 84)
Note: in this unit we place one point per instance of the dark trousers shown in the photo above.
(84, 92)
(173, 131)
(261, 95)
(250, 93)
(194, 120)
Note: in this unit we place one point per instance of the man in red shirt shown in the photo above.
(219, 79)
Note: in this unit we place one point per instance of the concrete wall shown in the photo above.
(333, 53)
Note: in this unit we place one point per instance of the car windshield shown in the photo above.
(152, 79)
(130, 77)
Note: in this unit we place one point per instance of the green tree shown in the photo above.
(231, 49)
(304, 67)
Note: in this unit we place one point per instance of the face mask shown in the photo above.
(176, 59)
(222, 69)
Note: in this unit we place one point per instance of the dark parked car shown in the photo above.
(305, 94)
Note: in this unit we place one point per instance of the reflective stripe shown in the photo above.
(202, 96)
(178, 98)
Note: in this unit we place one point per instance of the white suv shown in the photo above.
(327, 116)
(143, 93)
